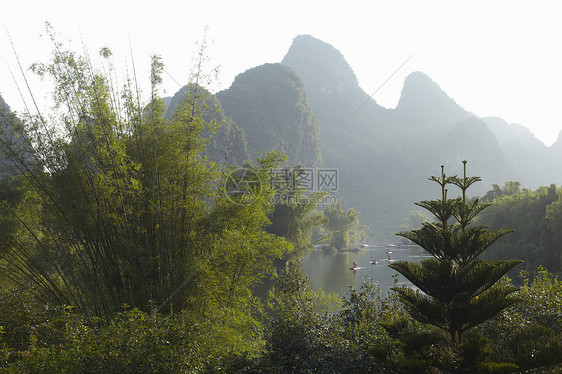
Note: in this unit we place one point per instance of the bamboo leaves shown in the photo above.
(127, 208)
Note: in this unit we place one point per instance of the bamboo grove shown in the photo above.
(108, 202)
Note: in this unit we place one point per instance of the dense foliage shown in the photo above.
(117, 204)
(305, 332)
(228, 145)
(342, 226)
(535, 216)
(294, 215)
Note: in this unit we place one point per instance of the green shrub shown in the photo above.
(535, 346)
(133, 342)
(496, 368)
(529, 333)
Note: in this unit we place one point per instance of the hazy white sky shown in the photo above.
(495, 58)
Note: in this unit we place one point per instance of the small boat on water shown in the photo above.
(374, 261)
(388, 259)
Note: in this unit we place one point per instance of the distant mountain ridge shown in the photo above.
(306, 52)
(330, 84)
(385, 155)
(557, 146)
(311, 106)
(424, 105)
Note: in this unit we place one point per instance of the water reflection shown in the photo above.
(331, 272)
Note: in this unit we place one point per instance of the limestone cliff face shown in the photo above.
(270, 104)
(320, 66)
(333, 90)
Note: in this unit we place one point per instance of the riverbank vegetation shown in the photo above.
(301, 331)
(125, 247)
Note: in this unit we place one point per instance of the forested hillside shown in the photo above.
(3, 104)
(536, 218)
(13, 143)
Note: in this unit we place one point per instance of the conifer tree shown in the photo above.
(457, 289)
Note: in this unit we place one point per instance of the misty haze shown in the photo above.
(287, 223)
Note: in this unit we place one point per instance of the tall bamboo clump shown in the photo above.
(457, 289)
(120, 193)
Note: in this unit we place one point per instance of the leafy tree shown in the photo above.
(456, 288)
(343, 225)
(228, 145)
(529, 333)
(509, 188)
(294, 216)
(554, 219)
(306, 335)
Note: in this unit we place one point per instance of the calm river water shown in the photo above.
(330, 271)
